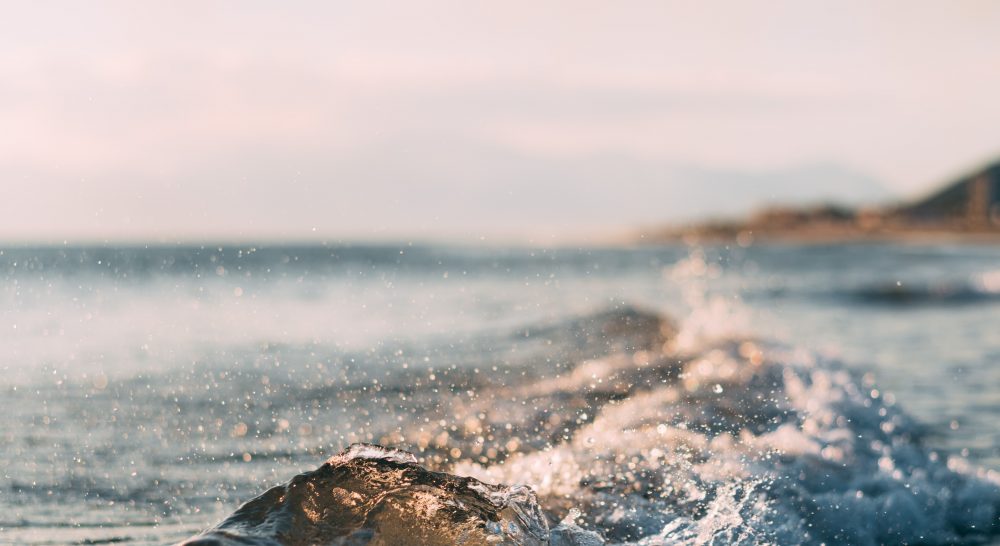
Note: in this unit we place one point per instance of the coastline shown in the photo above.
(810, 235)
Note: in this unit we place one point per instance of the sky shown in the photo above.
(533, 121)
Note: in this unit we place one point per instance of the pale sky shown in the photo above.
(131, 121)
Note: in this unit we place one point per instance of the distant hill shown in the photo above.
(974, 199)
(967, 207)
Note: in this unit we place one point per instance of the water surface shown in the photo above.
(151, 390)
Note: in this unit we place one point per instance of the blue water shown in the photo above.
(150, 390)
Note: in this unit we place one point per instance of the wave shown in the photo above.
(928, 294)
(982, 288)
(737, 441)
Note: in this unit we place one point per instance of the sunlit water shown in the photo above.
(765, 394)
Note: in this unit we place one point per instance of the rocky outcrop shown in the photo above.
(370, 495)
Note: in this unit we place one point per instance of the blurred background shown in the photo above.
(225, 225)
(194, 121)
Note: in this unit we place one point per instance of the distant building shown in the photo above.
(972, 202)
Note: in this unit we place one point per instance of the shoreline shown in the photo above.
(747, 237)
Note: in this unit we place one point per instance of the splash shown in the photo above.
(754, 444)
(710, 317)
(743, 442)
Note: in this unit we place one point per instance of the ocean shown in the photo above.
(773, 394)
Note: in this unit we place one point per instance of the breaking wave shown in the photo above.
(636, 439)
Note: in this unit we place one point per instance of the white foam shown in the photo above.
(792, 449)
